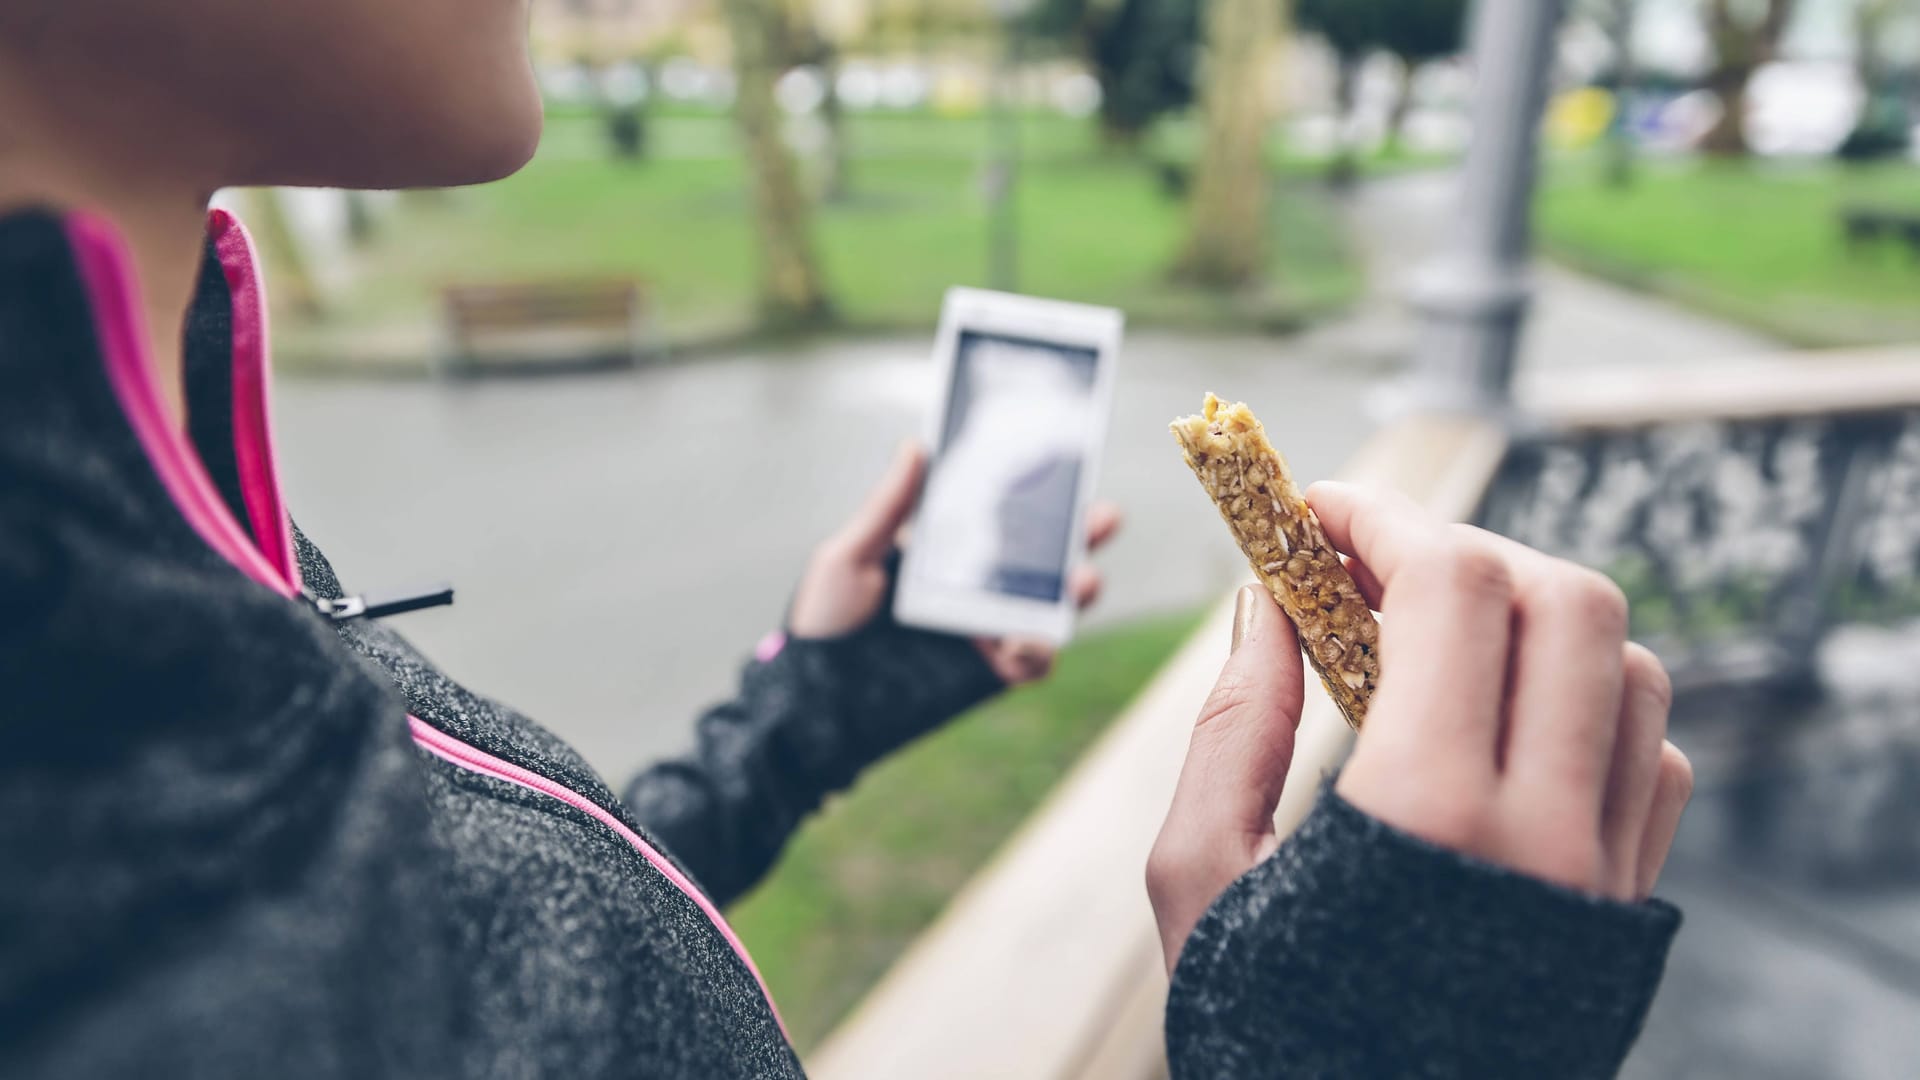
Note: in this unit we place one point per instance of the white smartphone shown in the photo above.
(1026, 389)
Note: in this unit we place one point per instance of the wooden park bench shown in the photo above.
(1865, 225)
(543, 326)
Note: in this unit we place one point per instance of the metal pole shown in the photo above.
(1473, 300)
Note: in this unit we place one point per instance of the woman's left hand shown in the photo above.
(847, 579)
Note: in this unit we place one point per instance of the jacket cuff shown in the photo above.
(871, 691)
(1358, 949)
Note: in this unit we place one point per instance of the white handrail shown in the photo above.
(1832, 382)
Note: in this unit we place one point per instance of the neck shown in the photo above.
(161, 217)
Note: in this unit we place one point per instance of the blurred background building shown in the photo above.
(744, 214)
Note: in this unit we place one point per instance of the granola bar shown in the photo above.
(1249, 481)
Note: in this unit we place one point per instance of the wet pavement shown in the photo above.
(619, 541)
(1798, 867)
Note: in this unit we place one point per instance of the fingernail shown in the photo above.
(1246, 605)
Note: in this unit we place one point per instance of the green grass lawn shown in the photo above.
(1759, 242)
(864, 878)
(1095, 225)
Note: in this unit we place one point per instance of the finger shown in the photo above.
(1031, 660)
(1634, 777)
(1570, 648)
(1103, 520)
(1451, 595)
(1565, 703)
(1380, 527)
(1243, 742)
(1018, 660)
(1221, 820)
(1084, 585)
(1671, 792)
(876, 525)
(1370, 587)
(1444, 635)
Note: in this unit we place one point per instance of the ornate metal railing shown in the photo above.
(1740, 542)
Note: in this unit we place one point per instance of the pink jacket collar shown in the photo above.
(262, 548)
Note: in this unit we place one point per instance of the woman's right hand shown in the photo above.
(1514, 722)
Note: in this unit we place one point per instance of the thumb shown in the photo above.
(1221, 820)
(876, 525)
(1243, 742)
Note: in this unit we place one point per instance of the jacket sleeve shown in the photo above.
(1359, 950)
(807, 719)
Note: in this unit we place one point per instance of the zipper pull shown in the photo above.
(380, 605)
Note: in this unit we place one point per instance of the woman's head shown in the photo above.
(348, 93)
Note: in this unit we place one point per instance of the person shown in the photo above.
(247, 831)
(1471, 896)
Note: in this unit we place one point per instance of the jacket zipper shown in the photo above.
(379, 605)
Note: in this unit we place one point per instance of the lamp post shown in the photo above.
(1003, 163)
(1473, 300)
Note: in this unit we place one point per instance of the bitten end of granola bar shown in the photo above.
(1250, 484)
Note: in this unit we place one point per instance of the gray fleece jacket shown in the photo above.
(241, 837)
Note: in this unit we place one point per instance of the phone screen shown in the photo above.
(997, 514)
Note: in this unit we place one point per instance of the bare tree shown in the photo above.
(1351, 30)
(835, 179)
(1619, 19)
(792, 292)
(808, 40)
(1227, 222)
(1746, 36)
(1418, 32)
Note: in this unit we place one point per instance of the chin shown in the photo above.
(451, 143)
(482, 144)
(500, 150)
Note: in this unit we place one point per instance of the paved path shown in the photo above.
(1798, 868)
(1576, 321)
(620, 541)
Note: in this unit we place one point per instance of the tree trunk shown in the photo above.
(1343, 170)
(1727, 137)
(1622, 16)
(792, 294)
(1866, 50)
(1870, 21)
(1882, 129)
(1402, 103)
(1119, 136)
(1227, 223)
(1741, 47)
(361, 223)
(833, 116)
